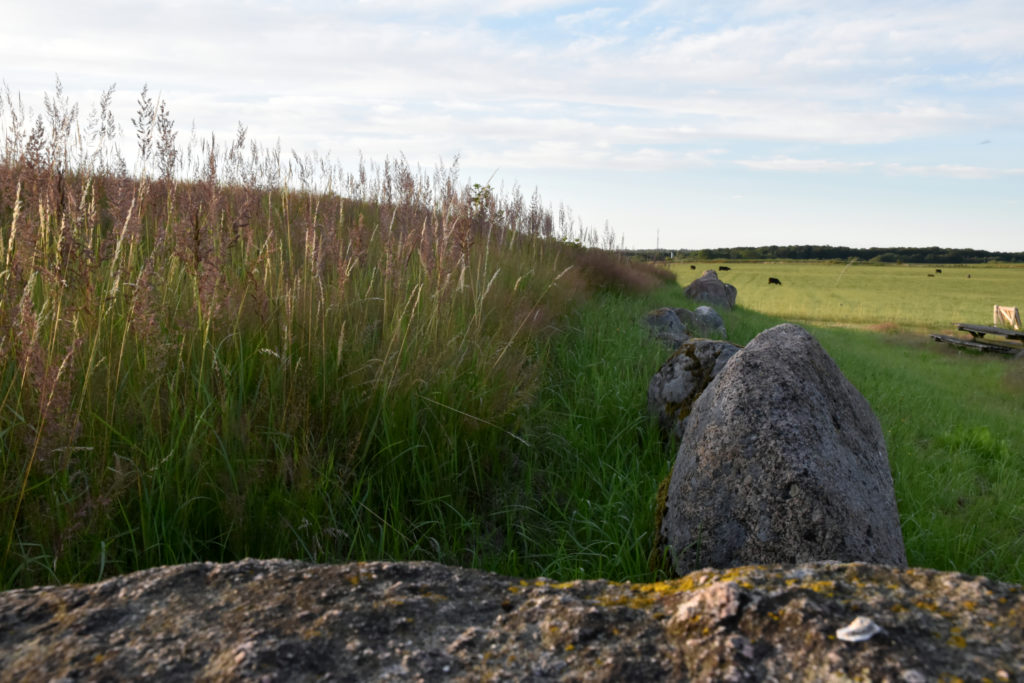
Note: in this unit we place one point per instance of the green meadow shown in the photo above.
(953, 420)
(911, 296)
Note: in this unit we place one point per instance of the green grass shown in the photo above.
(953, 425)
(597, 458)
(870, 294)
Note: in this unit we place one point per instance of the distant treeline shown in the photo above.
(825, 253)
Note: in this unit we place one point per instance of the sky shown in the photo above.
(694, 124)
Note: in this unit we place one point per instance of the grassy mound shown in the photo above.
(229, 354)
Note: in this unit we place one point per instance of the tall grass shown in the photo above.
(228, 351)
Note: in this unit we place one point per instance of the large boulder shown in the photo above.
(782, 460)
(277, 620)
(709, 289)
(682, 379)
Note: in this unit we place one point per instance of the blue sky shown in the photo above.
(682, 124)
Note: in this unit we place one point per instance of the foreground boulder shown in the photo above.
(682, 379)
(782, 461)
(282, 620)
(709, 289)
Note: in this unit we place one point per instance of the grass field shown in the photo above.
(229, 353)
(868, 294)
(953, 420)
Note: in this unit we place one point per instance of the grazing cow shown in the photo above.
(930, 275)
(968, 276)
(724, 268)
(692, 267)
(938, 270)
(774, 281)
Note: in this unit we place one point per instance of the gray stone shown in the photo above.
(277, 620)
(709, 289)
(686, 316)
(682, 379)
(665, 326)
(708, 322)
(782, 460)
(703, 321)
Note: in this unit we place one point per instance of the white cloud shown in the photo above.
(803, 165)
(595, 14)
(960, 171)
(461, 7)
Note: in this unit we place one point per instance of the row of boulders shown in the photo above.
(674, 326)
(781, 468)
(780, 458)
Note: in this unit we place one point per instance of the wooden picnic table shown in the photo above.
(978, 341)
(979, 331)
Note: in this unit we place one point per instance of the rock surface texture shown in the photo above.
(681, 380)
(276, 620)
(709, 289)
(782, 461)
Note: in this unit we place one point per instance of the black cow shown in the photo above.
(938, 270)
(774, 281)
(930, 275)
(724, 268)
(693, 267)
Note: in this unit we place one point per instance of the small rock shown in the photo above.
(860, 629)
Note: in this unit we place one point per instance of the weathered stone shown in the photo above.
(708, 322)
(710, 289)
(666, 327)
(682, 379)
(282, 620)
(685, 315)
(703, 321)
(782, 460)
